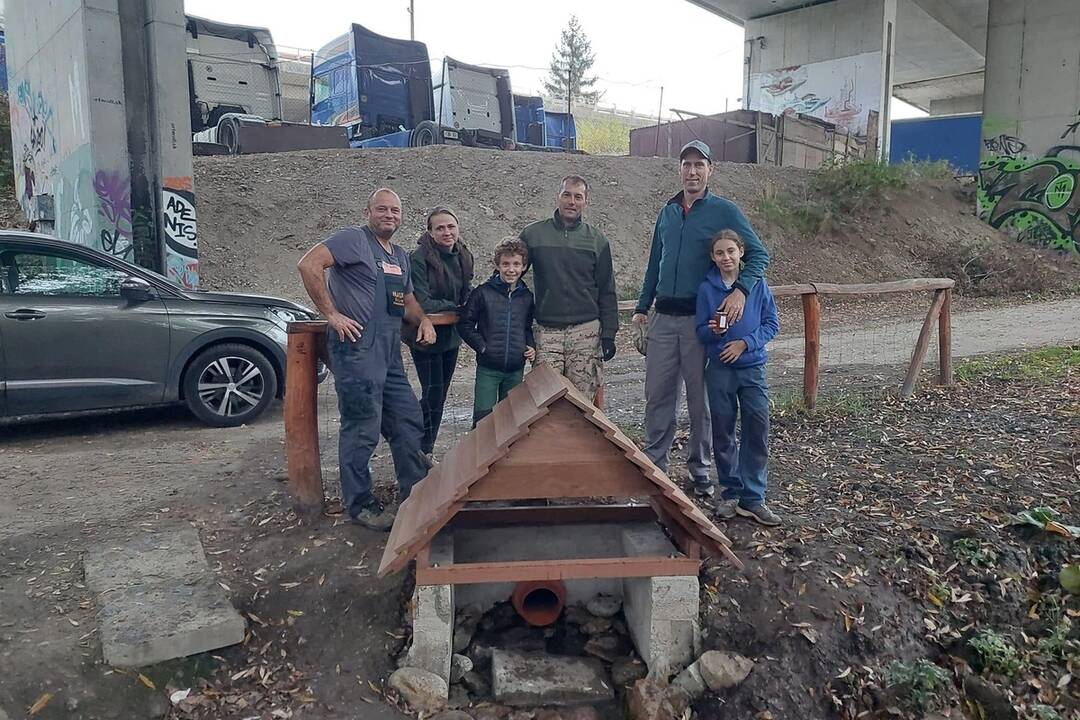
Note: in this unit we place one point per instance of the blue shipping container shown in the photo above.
(956, 138)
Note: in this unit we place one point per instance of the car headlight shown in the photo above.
(283, 316)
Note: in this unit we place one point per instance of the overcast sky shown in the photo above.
(695, 55)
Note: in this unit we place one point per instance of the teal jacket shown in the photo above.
(679, 255)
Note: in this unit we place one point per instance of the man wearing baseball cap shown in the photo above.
(678, 261)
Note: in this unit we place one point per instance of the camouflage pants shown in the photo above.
(574, 352)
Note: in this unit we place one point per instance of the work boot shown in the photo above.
(759, 513)
(725, 509)
(375, 517)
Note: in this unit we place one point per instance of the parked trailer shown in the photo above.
(234, 86)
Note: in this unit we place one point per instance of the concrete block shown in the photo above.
(661, 612)
(534, 679)
(158, 599)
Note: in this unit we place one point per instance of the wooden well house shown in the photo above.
(547, 442)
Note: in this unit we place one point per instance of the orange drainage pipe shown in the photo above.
(539, 602)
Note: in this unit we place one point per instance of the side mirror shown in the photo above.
(136, 290)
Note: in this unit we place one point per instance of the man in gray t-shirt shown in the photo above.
(361, 283)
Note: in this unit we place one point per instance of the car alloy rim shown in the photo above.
(231, 386)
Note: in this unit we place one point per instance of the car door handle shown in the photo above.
(25, 314)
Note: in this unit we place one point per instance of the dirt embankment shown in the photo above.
(259, 213)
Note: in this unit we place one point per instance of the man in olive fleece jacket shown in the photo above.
(577, 310)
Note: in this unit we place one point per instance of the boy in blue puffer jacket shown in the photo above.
(735, 382)
(497, 323)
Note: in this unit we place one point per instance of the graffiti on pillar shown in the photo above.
(179, 226)
(1006, 145)
(843, 91)
(34, 141)
(1072, 127)
(80, 221)
(1036, 200)
(113, 190)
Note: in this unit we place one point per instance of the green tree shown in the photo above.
(570, 65)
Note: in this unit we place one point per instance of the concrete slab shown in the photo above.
(158, 599)
(147, 624)
(534, 679)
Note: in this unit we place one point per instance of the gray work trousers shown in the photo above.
(676, 358)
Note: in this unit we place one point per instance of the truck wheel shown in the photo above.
(426, 133)
(229, 384)
(228, 134)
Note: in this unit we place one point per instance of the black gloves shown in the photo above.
(608, 345)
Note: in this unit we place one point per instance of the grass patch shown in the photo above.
(839, 189)
(994, 653)
(1038, 367)
(790, 404)
(974, 553)
(920, 685)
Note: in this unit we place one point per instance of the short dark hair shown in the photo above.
(576, 180)
(727, 234)
(512, 246)
(439, 210)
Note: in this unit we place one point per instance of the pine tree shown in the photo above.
(571, 62)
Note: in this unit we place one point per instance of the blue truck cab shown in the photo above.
(529, 119)
(378, 87)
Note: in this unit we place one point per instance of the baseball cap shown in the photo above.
(699, 147)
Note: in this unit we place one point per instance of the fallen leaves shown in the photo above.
(39, 704)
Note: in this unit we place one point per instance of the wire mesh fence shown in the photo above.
(866, 346)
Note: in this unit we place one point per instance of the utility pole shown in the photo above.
(569, 93)
(659, 112)
(412, 19)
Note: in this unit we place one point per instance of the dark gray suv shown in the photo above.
(81, 331)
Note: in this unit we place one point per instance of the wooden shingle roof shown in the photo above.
(545, 440)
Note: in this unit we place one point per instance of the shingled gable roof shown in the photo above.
(436, 499)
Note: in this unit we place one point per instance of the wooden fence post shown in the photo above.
(945, 340)
(302, 414)
(921, 345)
(812, 347)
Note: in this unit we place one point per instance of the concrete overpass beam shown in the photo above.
(957, 105)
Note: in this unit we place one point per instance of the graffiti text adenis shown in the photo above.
(180, 228)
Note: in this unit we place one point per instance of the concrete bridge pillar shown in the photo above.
(832, 61)
(1029, 177)
(101, 132)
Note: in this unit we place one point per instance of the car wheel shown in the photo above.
(228, 385)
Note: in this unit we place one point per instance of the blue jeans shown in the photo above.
(741, 470)
(374, 396)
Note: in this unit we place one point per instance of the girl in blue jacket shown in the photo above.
(735, 381)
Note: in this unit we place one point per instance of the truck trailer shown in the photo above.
(234, 86)
(383, 90)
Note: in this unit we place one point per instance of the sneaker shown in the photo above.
(725, 509)
(428, 458)
(759, 513)
(704, 489)
(375, 517)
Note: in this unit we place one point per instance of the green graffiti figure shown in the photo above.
(1037, 200)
